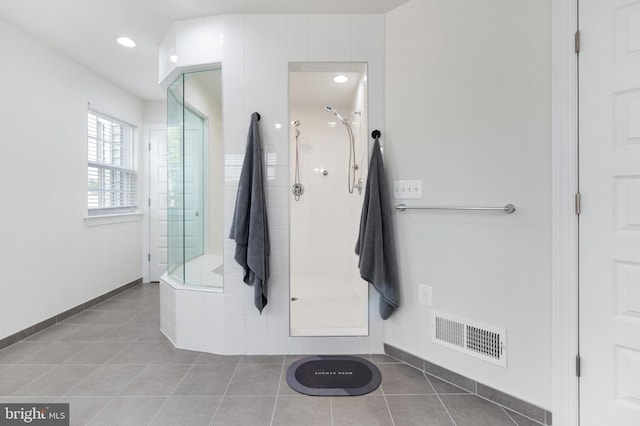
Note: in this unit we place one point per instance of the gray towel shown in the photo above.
(249, 227)
(375, 245)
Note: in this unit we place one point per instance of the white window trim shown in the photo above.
(116, 214)
(109, 219)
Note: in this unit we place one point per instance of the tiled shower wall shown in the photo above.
(254, 52)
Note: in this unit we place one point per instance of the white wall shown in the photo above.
(155, 112)
(254, 56)
(468, 112)
(51, 260)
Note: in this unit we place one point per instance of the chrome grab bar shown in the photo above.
(508, 208)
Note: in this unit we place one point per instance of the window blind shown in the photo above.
(112, 164)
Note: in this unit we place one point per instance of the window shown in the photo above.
(112, 164)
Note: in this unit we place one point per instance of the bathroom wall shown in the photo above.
(254, 51)
(468, 112)
(51, 259)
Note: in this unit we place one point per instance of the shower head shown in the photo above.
(330, 109)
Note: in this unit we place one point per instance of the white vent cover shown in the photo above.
(469, 337)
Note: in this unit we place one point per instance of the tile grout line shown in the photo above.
(53, 366)
(27, 342)
(331, 409)
(174, 389)
(440, 399)
(508, 415)
(275, 403)
(470, 392)
(226, 389)
(111, 397)
(387, 404)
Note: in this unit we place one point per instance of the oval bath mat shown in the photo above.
(333, 375)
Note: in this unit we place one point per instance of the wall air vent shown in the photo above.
(469, 337)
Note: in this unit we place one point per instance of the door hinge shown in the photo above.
(578, 203)
(149, 201)
(578, 359)
(577, 41)
(149, 146)
(149, 257)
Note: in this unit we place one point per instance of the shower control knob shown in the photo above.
(297, 190)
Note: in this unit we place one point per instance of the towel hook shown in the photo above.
(376, 134)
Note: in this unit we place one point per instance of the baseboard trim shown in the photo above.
(509, 402)
(36, 328)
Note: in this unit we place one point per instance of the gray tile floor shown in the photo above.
(114, 367)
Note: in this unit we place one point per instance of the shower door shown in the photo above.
(186, 183)
(328, 158)
(194, 184)
(175, 181)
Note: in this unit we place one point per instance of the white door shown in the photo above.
(158, 202)
(610, 219)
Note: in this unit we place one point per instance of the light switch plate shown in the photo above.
(407, 189)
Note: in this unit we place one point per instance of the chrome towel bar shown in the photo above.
(509, 208)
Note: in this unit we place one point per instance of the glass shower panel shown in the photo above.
(175, 181)
(195, 192)
(194, 185)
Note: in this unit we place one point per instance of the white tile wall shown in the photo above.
(255, 51)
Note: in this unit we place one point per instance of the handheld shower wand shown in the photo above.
(336, 113)
(297, 189)
(353, 166)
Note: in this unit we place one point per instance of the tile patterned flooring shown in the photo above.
(114, 366)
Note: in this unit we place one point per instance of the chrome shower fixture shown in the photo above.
(337, 114)
(297, 189)
(353, 166)
(296, 124)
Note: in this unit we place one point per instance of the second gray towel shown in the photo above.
(376, 245)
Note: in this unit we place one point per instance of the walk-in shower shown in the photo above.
(328, 297)
(194, 197)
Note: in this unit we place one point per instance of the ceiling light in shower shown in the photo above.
(340, 78)
(125, 41)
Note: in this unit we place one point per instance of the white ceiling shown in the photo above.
(312, 85)
(85, 29)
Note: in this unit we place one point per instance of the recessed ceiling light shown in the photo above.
(125, 41)
(340, 78)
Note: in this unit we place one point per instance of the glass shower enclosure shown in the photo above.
(194, 180)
